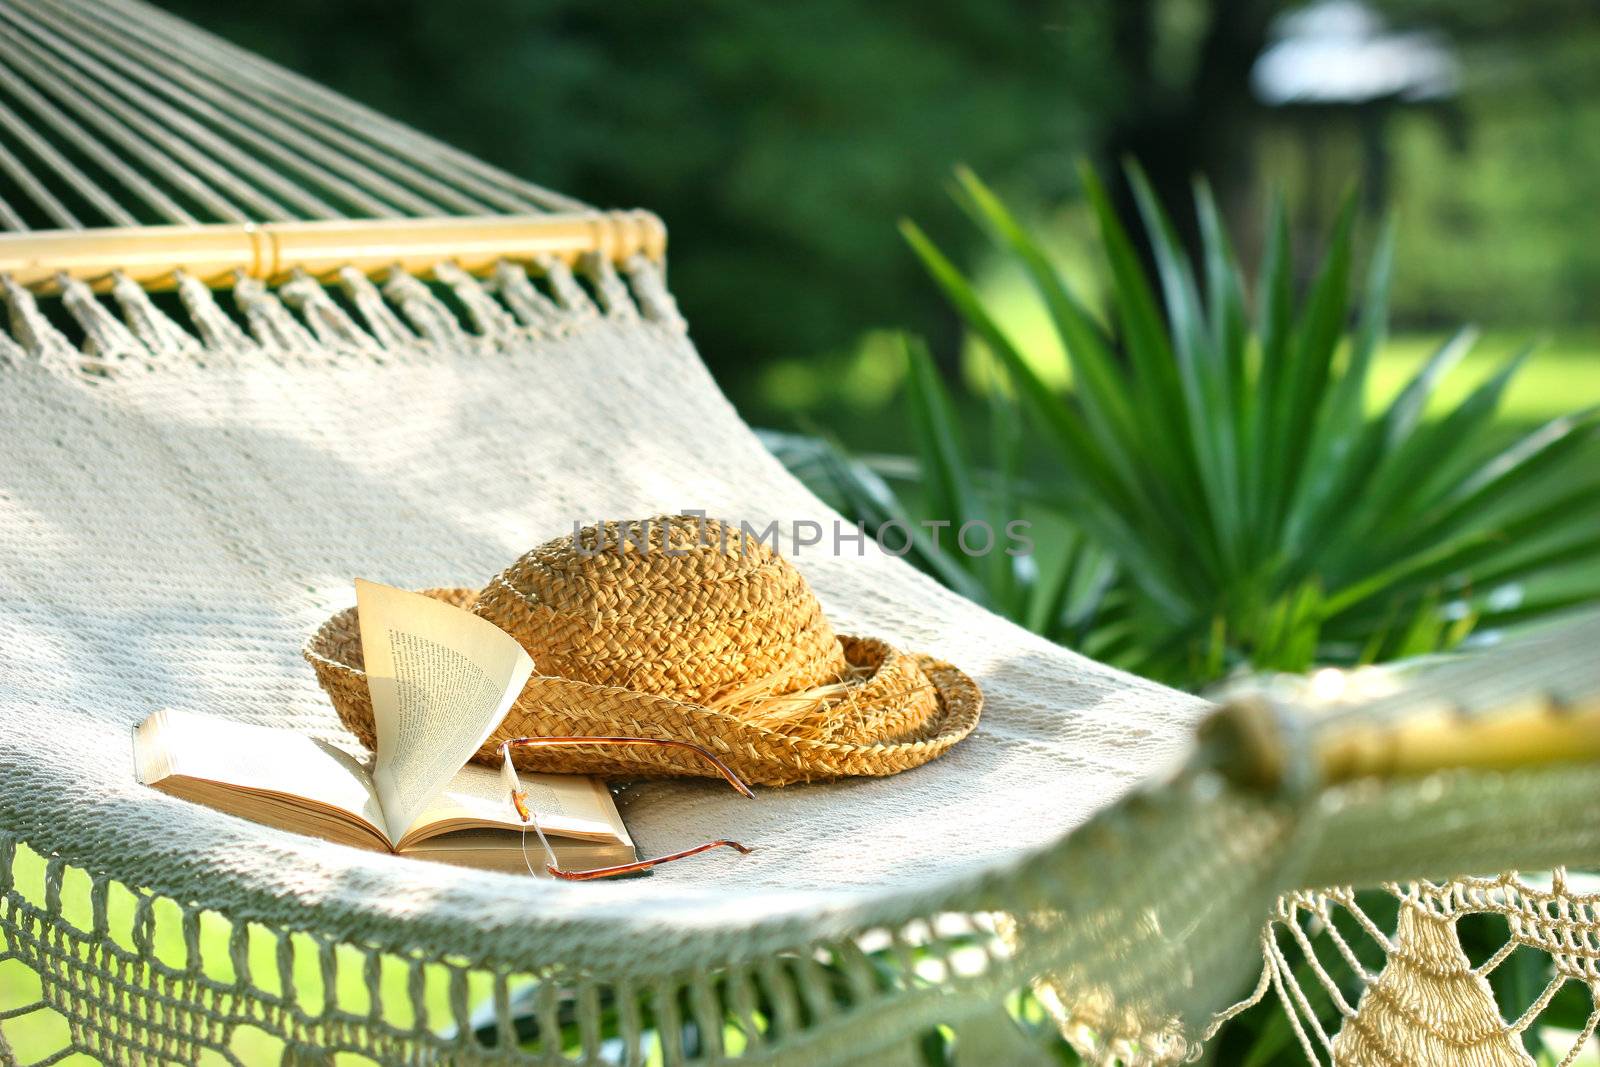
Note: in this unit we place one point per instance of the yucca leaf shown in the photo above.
(1495, 553)
(1143, 332)
(1229, 350)
(1386, 581)
(1470, 555)
(1099, 499)
(1405, 411)
(1114, 642)
(1221, 470)
(1322, 322)
(1097, 595)
(1305, 373)
(1300, 629)
(1275, 306)
(1229, 344)
(1427, 632)
(1156, 389)
(945, 462)
(1107, 406)
(1085, 461)
(1200, 375)
(1341, 422)
(1171, 588)
(1541, 538)
(1432, 459)
(1365, 483)
(1448, 451)
(1540, 457)
(1093, 362)
(1048, 607)
(1274, 323)
(1005, 424)
(1578, 549)
(1347, 397)
(1539, 608)
(874, 505)
(1185, 318)
(1225, 297)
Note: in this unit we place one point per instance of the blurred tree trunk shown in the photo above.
(1203, 123)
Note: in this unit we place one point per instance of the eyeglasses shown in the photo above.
(519, 800)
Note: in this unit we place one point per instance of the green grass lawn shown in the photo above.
(859, 395)
(1562, 375)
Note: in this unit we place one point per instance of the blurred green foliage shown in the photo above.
(779, 141)
(1491, 230)
(1219, 468)
(1225, 496)
(782, 142)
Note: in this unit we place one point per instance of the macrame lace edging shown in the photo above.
(1123, 936)
(136, 977)
(401, 318)
(132, 969)
(1361, 990)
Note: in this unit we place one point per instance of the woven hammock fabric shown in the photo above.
(177, 524)
(174, 534)
(188, 487)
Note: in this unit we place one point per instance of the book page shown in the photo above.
(441, 679)
(255, 759)
(567, 805)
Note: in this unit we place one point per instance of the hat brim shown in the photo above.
(551, 706)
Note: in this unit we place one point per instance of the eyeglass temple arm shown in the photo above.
(519, 799)
(645, 865)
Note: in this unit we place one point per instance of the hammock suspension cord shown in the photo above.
(171, 151)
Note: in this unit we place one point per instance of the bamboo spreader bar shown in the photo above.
(273, 251)
(1253, 741)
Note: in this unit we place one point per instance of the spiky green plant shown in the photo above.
(1233, 500)
(1066, 591)
(1216, 444)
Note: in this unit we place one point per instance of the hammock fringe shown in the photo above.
(100, 336)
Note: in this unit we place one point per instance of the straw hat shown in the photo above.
(688, 629)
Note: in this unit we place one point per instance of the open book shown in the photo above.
(441, 679)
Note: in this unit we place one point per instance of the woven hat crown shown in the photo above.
(687, 607)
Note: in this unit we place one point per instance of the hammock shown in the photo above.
(221, 398)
